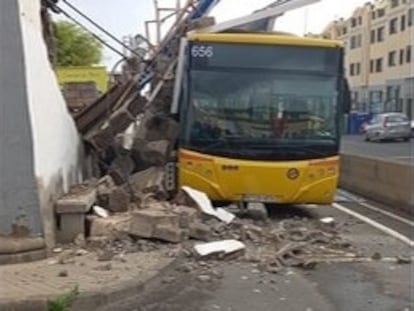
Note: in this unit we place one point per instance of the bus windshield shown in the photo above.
(262, 114)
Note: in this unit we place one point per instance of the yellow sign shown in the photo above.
(96, 74)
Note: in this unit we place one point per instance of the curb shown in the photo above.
(91, 301)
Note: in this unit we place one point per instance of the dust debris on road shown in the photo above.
(189, 226)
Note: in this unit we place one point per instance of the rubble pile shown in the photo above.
(125, 113)
(136, 217)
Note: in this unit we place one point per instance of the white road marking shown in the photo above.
(360, 201)
(388, 214)
(376, 225)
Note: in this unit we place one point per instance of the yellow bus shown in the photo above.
(260, 117)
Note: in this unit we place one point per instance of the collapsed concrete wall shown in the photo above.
(40, 154)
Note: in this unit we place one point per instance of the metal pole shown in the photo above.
(158, 21)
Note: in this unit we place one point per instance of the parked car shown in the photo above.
(388, 126)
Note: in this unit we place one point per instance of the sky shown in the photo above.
(127, 17)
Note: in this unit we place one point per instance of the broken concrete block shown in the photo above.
(161, 147)
(257, 211)
(101, 139)
(188, 215)
(119, 200)
(224, 246)
(105, 182)
(170, 234)
(153, 158)
(150, 155)
(103, 190)
(161, 127)
(79, 200)
(200, 231)
(150, 180)
(72, 225)
(121, 167)
(152, 204)
(120, 120)
(183, 199)
(71, 210)
(205, 205)
(143, 222)
(110, 226)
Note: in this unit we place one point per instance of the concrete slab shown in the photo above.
(77, 201)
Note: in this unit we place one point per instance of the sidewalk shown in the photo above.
(29, 286)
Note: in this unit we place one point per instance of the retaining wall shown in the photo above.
(384, 181)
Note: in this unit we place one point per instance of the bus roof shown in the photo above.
(262, 38)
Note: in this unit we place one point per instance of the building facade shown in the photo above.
(379, 40)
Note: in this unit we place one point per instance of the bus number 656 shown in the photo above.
(201, 51)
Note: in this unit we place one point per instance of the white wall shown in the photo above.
(57, 145)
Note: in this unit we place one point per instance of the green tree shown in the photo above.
(75, 46)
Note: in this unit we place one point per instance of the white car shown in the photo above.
(388, 126)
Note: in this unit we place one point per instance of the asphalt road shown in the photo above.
(370, 286)
(393, 150)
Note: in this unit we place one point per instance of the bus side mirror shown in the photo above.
(346, 96)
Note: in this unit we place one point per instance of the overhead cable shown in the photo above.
(90, 20)
(60, 10)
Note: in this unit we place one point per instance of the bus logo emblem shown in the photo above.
(292, 173)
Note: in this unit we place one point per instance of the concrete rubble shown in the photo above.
(139, 218)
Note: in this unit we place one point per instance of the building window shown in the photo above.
(394, 3)
(373, 36)
(403, 21)
(401, 57)
(371, 66)
(355, 69)
(360, 20)
(380, 34)
(373, 15)
(380, 13)
(393, 26)
(359, 41)
(353, 22)
(378, 65)
(344, 30)
(392, 59)
(408, 54)
(355, 41)
(375, 99)
(410, 17)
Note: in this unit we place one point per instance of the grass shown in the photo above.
(64, 301)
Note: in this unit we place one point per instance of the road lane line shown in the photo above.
(386, 213)
(359, 200)
(376, 225)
